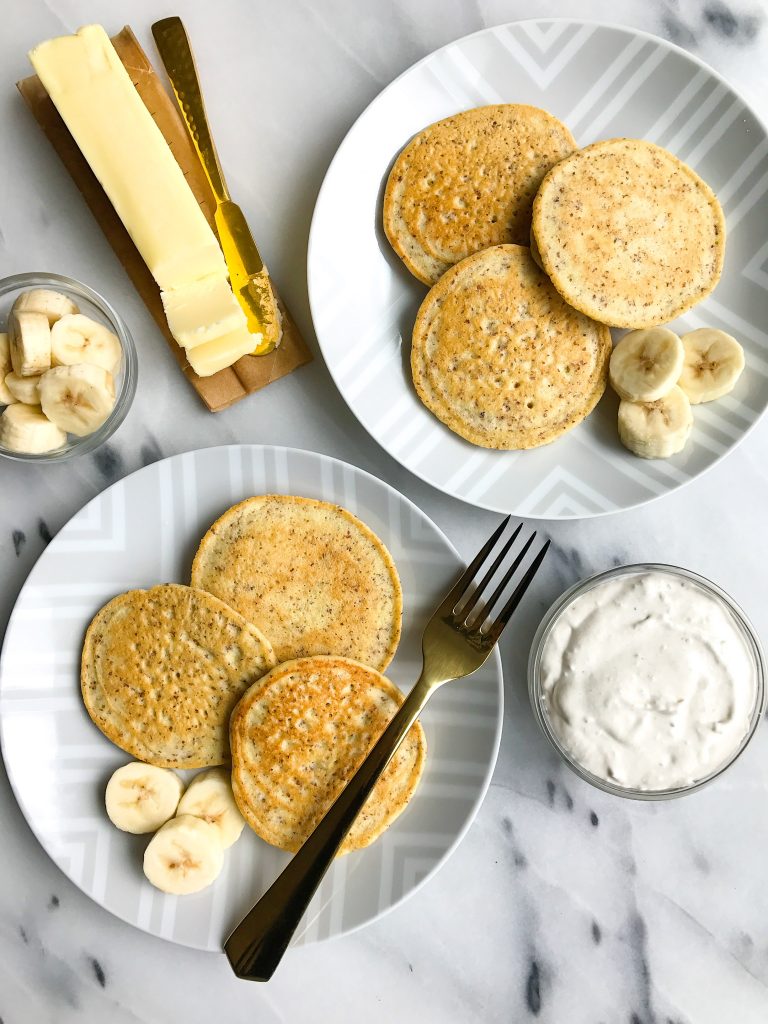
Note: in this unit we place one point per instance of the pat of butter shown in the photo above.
(222, 352)
(129, 155)
(202, 311)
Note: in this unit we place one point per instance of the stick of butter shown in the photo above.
(222, 352)
(201, 311)
(127, 152)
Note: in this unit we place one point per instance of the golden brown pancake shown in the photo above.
(311, 575)
(162, 670)
(500, 358)
(629, 234)
(468, 182)
(299, 735)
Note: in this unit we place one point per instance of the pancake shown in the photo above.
(629, 234)
(468, 182)
(500, 358)
(162, 670)
(299, 735)
(535, 254)
(313, 577)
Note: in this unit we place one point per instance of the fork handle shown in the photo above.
(256, 946)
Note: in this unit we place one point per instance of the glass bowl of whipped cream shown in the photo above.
(648, 680)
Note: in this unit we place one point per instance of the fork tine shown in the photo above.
(502, 585)
(456, 591)
(506, 613)
(488, 576)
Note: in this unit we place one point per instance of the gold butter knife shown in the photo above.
(247, 273)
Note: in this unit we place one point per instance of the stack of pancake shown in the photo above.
(272, 659)
(533, 249)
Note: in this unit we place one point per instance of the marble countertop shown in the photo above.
(562, 904)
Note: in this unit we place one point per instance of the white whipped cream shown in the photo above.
(647, 681)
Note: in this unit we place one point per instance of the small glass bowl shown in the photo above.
(95, 306)
(539, 704)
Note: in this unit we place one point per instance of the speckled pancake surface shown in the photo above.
(628, 233)
(468, 182)
(500, 358)
(162, 670)
(310, 574)
(299, 735)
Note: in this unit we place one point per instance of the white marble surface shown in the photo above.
(562, 905)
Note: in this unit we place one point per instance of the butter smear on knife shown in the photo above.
(127, 152)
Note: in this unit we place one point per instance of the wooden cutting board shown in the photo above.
(249, 374)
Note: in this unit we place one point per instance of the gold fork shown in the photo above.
(454, 645)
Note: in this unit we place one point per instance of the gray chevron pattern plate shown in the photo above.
(603, 82)
(144, 530)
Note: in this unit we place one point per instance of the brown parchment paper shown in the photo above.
(249, 373)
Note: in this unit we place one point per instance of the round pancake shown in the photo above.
(310, 574)
(162, 670)
(468, 182)
(628, 233)
(299, 735)
(500, 358)
(535, 254)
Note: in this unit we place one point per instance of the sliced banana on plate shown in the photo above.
(77, 398)
(76, 338)
(209, 796)
(713, 363)
(140, 797)
(646, 364)
(185, 856)
(6, 398)
(30, 342)
(23, 389)
(53, 305)
(656, 430)
(24, 428)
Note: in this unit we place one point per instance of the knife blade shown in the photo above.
(248, 275)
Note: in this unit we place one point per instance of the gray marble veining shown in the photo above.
(562, 905)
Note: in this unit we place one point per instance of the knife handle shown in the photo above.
(173, 46)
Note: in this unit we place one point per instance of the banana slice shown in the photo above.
(656, 430)
(646, 364)
(6, 398)
(24, 428)
(78, 339)
(23, 389)
(185, 856)
(53, 305)
(77, 398)
(209, 796)
(714, 361)
(140, 798)
(30, 342)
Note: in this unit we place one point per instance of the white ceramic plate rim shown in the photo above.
(483, 786)
(313, 244)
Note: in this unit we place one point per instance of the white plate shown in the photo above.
(602, 81)
(144, 530)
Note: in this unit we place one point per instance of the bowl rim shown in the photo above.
(125, 396)
(548, 622)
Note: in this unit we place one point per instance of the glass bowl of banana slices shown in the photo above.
(68, 368)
